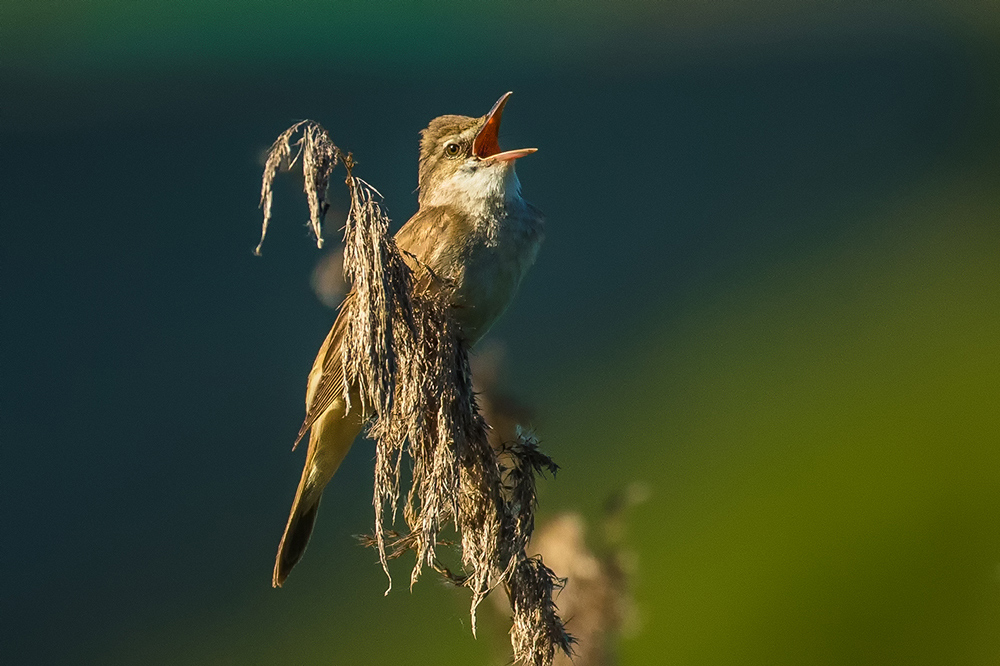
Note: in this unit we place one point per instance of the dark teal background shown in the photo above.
(768, 292)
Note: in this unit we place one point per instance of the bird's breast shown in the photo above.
(490, 271)
(483, 252)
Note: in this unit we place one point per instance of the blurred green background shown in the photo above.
(768, 292)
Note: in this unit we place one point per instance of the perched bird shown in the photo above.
(472, 230)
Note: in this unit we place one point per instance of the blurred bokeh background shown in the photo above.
(768, 295)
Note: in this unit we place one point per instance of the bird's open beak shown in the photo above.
(486, 145)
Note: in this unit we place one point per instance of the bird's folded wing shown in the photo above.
(417, 240)
(326, 379)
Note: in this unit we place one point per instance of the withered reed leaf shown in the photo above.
(405, 361)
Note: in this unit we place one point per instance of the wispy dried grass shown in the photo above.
(404, 357)
(600, 565)
(319, 157)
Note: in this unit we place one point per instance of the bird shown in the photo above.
(473, 230)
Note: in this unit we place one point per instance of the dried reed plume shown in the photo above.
(403, 357)
(600, 571)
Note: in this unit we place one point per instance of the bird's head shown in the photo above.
(460, 158)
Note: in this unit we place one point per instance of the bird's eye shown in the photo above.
(451, 149)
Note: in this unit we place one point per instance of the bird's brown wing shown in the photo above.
(432, 243)
(417, 239)
(418, 232)
(326, 379)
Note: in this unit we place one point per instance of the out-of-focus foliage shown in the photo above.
(768, 292)
(822, 442)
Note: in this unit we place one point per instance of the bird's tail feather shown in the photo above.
(297, 531)
(330, 439)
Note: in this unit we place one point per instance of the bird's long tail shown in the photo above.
(330, 439)
(298, 529)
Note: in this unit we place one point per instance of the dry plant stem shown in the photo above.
(404, 356)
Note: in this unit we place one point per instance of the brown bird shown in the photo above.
(472, 230)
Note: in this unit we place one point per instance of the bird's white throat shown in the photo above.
(483, 189)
